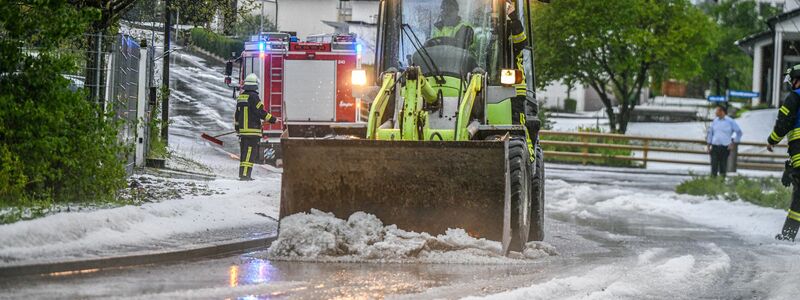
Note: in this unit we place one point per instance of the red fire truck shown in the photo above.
(307, 85)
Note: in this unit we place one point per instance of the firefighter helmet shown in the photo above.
(792, 74)
(251, 82)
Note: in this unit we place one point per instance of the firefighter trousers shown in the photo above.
(792, 223)
(248, 146)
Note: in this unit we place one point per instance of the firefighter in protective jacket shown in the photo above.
(250, 114)
(788, 125)
(519, 40)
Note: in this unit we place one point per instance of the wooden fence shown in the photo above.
(648, 145)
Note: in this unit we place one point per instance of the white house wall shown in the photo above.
(555, 93)
(306, 16)
(365, 11)
(759, 68)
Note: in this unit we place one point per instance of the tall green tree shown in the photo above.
(53, 144)
(615, 46)
(203, 12)
(249, 24)
(726, 66)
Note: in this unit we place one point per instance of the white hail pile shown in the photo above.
(320, 236)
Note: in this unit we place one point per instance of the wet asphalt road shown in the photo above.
(752, 272)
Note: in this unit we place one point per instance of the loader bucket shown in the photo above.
(419, 186)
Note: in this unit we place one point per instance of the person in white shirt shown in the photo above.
(721, 140)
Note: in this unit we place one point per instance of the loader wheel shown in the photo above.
(536, 232)
(520, 194)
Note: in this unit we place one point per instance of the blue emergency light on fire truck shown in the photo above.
(307, 85)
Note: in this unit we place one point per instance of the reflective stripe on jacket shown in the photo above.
(788, 125)
(447, 31)
(249, 114)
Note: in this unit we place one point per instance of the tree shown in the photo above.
(250, 24)
(615, 46)
(203, 12)
(145, 11)
(53, 146)
(726, 65)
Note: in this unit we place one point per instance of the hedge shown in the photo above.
(217, 44)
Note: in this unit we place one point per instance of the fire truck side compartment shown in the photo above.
(310, 91)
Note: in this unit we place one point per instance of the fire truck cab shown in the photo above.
(306, 85)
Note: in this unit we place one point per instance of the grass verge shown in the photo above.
(767, 191)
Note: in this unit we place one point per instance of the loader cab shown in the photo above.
(450, 41)
(453, 36)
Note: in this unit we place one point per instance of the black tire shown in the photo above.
(519, 161)
(536, 232)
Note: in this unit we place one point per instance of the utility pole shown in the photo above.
(165, 74)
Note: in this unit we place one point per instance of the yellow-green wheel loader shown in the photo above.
(452, 135)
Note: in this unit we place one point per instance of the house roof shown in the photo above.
(782, 17)
(752, 39)
(747, 43)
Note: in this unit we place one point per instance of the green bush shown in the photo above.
(55, 146)
(158, 148)
(766, 191)
(217, 44)
(608, 154)
(570, 105)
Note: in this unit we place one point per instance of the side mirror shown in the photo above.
(228, 68)
(228, 72)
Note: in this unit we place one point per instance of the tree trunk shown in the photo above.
(612, 119)
(624, 118)
(727, 84)
(599, 87)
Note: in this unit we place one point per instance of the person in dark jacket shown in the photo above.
(249, 116)
(788, 125)
(519, 40)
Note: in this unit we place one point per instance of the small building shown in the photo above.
(554, 97)
(784, 31)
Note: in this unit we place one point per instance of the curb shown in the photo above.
(93, 265)
(562, 167)
(178, 174)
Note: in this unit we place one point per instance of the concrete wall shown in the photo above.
(554, 94)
